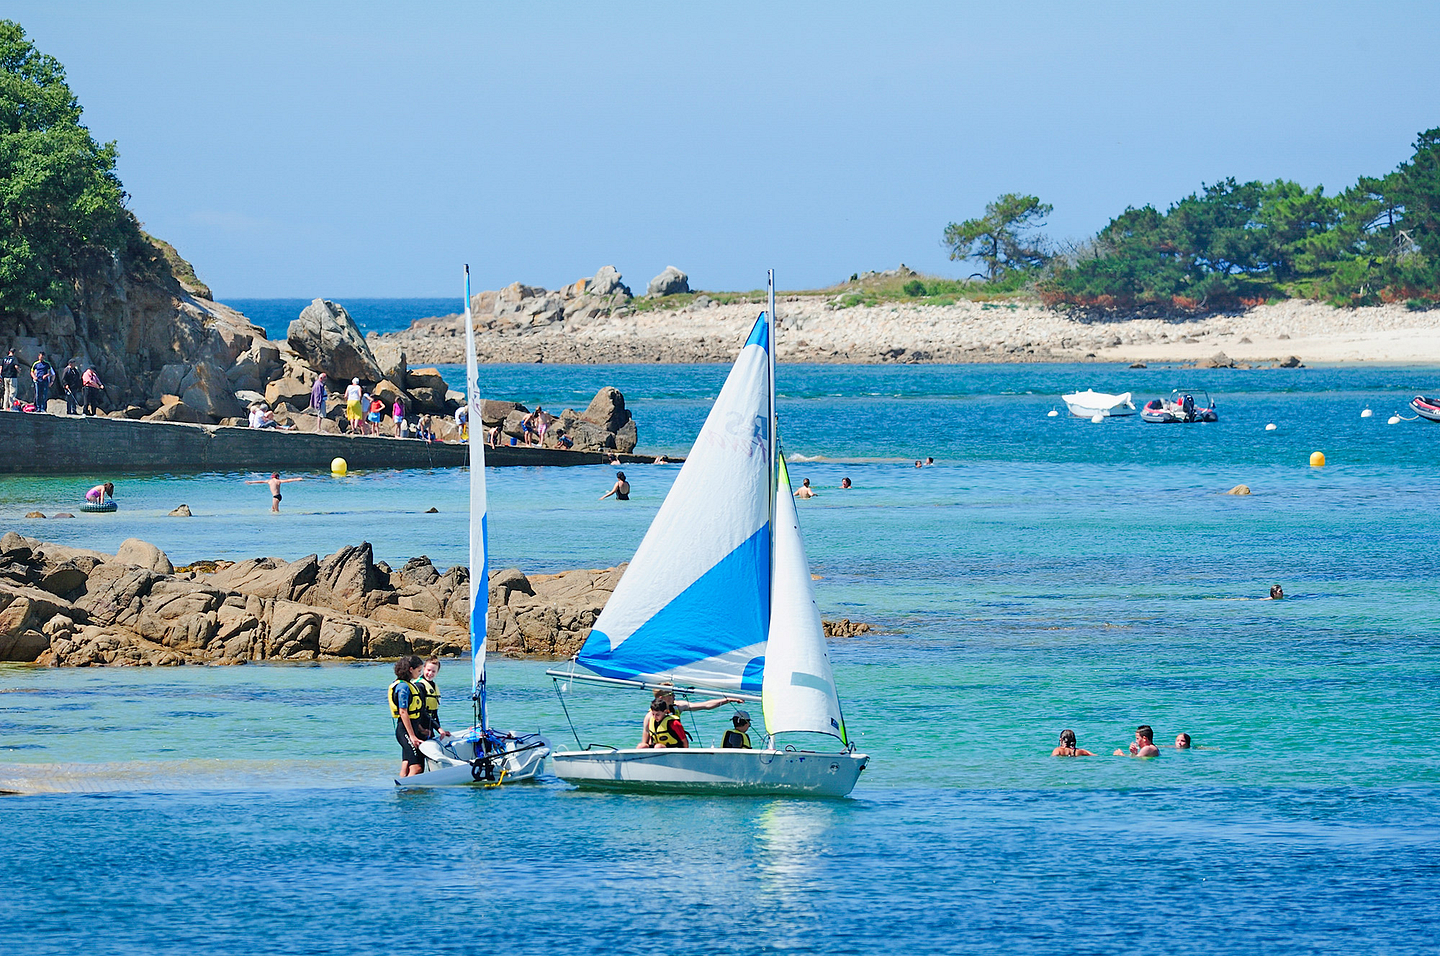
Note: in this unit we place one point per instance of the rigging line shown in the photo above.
(563, 706)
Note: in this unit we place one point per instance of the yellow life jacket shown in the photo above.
(429, 700)
(663, 734)
(735, 740)
(416, 701)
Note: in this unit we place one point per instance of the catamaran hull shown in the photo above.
(454, 765)
(712, 771)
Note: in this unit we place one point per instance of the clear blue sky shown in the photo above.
(368, 149)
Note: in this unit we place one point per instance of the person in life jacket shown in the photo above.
(665, 694)
(407, 706)
(430, 698)
(663, 728)
(739, 737)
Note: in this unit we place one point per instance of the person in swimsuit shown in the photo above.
(844, 482)
(1277, 593)
(274, 481)
(1067, 746)
(805, 491)
(1144, 745)
(101, 493)
(621, 491)
(1182, 741)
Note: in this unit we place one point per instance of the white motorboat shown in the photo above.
(1090, 403)
(718, 600)
(481, 754)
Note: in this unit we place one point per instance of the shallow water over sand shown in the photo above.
(1047, 573)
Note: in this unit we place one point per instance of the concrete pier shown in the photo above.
(39, 444)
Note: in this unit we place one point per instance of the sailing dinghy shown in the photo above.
(719, 599)
(481, 754)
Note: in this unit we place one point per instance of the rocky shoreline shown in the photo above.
(595, 321)
(71, 607)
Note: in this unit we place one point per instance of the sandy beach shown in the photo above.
(815, 329)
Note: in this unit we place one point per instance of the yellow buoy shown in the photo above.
(1317, 459)
(339, 467)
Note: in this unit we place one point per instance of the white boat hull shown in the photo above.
(1088, 404)
(454, 764)
(708, 770)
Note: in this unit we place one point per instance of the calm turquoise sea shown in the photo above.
(1045, 573)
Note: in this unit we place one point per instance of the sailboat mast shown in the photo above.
(774, 421)
(479, 550)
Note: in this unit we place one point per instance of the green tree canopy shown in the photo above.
(1005, 238)
(59, 195)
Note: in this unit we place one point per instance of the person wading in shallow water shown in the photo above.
(430, 698)
(621, 491)
(407, 708)
(1068, 748)
(274, 481)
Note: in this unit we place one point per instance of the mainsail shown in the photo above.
(479, 560)
(799, 688)
(694, 605)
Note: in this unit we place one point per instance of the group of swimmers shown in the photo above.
(1143, 745)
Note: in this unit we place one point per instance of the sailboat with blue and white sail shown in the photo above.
(719, 599)
(481, 754)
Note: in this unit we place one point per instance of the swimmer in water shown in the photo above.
(805, 491)
(1182, 741)
(274, 481)
(1276, 592)
(844, 482)
(1144, 745)
(1067, 746)
(621, 491)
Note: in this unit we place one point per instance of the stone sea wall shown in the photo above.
(52, 444)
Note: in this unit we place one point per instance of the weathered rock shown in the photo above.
(1239, 490)
(326, 337)
(269, 577)
(844, 628)
(607, 409)
(426, 378)
(607, 282)
(292, 391)
(143, 554)
(181, 512)
(206, 389)
(177, 412)
(670, 282)
(1290, 361)
(113, 592)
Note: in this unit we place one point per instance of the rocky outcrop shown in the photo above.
(326, 338)
(670, 282)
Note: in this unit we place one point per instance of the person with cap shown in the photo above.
(739, 737)
(664, 708)
(70, 385)
(10, 374)
(353, 414)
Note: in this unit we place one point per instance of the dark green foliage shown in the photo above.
(59, 196)
(1005, 238)
(914, 288)
(1240, 243)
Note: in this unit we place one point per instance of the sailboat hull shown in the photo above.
(454, 764)
(705, 770)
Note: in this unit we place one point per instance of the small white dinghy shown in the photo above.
(718, 600)
(1089, 403)
(478, 755)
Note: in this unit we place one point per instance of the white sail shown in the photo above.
(694, 605)
(479, 559)
(799, 687)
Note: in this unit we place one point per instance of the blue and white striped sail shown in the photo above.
(694, 605)
(479, 556)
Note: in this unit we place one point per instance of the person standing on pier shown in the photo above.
(92, 384)
(353, 396)
(42, 373)
(317, 397)
(10, 374)
(70, 384)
